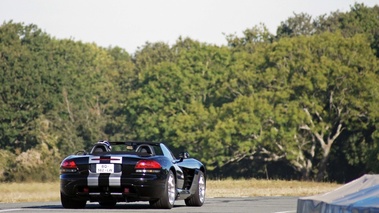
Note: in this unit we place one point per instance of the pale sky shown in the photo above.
(130, 24)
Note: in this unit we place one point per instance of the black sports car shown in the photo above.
(131, 171)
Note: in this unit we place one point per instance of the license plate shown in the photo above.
(104, 168)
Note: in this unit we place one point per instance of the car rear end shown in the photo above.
(111, 177)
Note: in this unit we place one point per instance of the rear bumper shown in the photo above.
(138, 187)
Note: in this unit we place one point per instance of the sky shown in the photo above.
(130, 24)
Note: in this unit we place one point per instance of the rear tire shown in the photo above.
(168, 199)
(69, 203)
(199, 197)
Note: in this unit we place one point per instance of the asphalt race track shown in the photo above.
(230, 205)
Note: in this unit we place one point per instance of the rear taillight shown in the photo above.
(148, 166)
(68, 166)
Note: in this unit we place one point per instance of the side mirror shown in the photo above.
(183, 155)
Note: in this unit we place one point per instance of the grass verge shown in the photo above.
(33, 192)
(29, 192)
(253, 187)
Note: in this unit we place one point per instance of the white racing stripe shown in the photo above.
(116, 160)
(114, 178)
(93, 179)
(94, 160)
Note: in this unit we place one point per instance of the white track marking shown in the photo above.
(10, 210)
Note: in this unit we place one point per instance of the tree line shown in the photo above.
(298, 104)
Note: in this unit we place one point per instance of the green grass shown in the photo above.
(33, 192)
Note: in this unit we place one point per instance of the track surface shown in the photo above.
(230, 205)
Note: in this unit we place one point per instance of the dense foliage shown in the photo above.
(300, 104)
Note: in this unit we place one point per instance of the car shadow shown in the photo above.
(97, 206)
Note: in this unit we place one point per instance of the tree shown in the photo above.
(258, 35)
(23, 95)
(328, 77)
(299, 24)
(360, 19)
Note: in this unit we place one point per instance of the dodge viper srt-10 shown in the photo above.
(131, 171)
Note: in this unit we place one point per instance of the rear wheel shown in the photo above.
(199, 197)
(168, 199)
(69, 203)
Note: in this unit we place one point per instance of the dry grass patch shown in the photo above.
(33, 192)
(253, 187)
(29, 192)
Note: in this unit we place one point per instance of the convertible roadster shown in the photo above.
(131, 171)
